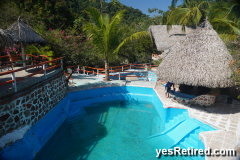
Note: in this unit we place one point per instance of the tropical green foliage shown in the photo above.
(55, 16)
(225, 18)
(191, 12)
(106, 34)
(222, 14)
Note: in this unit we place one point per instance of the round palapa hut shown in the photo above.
(22, 33)
(200, 59)
(6, 39)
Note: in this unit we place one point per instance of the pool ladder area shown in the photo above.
(77, 114)
(181, 131)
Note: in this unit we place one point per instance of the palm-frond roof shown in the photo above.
(200, 59)
(24, 33)
(163, 39)
(6, 39)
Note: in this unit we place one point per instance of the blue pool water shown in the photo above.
(107, 130)
(143, 76)
(109, 123)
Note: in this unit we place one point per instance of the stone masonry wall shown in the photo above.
(31, 105)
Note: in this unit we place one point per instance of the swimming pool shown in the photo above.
(108, 123)
(142, 75)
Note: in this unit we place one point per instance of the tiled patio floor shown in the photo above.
(222, 116)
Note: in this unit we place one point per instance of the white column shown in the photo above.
(78, 69)
(122, 68)
(44, 68)
(119, 75)
(14, 83)
(61, 64)
(97, 73)
(83, 70)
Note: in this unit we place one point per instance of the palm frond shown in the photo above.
(32, 49)
(135, 36)
(228, 37)
(96, 35)
(95, 16)
(225, 25)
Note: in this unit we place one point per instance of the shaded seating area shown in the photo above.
(201, 98)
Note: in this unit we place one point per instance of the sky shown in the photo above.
(143, 5)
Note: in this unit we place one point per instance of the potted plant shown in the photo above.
(13, 57)
(13, 53)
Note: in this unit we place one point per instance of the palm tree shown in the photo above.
(106, 34)
(223, 15)
(225, 18)
(189, 13)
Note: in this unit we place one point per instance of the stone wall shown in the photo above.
(29, 106)
(204, 100)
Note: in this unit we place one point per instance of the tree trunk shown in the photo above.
(106, 70)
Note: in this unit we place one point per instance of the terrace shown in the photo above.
(19, 78)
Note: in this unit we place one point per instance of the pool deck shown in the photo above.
(83, 82)
(7, 89)
(222, 116)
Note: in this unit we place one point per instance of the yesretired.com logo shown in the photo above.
(195, 152)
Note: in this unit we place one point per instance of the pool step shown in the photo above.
(172, 136)
(75, 115)
(192, 140)
(176, 120)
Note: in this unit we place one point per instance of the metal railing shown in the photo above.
(43, 64)
(115, 69)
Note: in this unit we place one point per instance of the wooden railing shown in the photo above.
(155, 56)
(119, 69)
(43, 64)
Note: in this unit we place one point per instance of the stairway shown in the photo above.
(75, 115)
(181, 131)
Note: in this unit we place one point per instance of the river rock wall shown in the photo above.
(29, 106)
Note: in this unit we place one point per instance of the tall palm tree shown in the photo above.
(189, 13)
(106, 34)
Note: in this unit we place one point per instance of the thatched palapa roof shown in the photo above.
(200, 59)
(6, 39)
(23, 33)
(163, 39)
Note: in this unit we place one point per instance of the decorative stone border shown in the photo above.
(30, 106)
